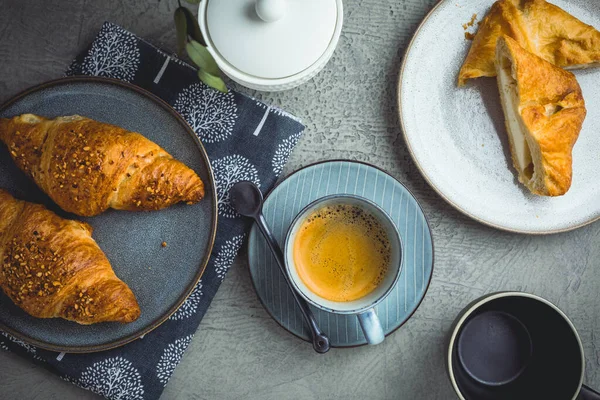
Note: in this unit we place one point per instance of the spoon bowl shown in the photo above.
(246, 198)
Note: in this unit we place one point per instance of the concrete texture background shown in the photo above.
(350, 112)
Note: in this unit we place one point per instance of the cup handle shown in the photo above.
(371, 327)
(588, 393)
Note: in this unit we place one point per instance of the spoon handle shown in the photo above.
(320, 340)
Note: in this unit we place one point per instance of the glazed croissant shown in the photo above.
(51, 267)
(87, 166)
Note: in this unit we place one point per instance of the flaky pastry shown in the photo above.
(544, 111)
(539, 27)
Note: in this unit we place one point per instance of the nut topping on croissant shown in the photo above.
(87, 166)
(51, 267)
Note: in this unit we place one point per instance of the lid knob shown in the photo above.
(270, 10)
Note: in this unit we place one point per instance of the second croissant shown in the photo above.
(51, 267)
(87, 166)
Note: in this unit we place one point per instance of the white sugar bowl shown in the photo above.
(271, 45)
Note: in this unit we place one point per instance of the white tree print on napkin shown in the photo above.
(228, 171)
(283, 152)
(190, 306)
(170, 358)
(115, 378)
(70, 380)
(210, 113)
(227, 254)
(32, 350)
(114, 54)
(29, 348)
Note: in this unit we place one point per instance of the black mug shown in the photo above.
(516, 346)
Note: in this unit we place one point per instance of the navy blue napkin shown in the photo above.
(245, 140)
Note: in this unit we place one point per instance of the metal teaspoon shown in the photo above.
(246, 198)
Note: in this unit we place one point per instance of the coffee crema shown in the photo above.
(341, 252)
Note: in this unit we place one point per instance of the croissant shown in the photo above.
(544, 112)
(538, 26)
(87, 166)
(51, 267)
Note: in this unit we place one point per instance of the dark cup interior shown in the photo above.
(494, 348)
(517, 348)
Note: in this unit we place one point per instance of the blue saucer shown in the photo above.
(334, 177)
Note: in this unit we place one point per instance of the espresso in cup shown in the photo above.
(341, 252)
(343, 255)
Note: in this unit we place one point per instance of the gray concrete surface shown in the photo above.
(350, 112)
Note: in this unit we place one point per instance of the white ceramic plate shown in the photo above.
(457, 136)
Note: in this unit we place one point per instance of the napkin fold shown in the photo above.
(245, 140)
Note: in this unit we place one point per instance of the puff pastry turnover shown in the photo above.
(51, 267)
(87, 166)
(544, 111)
(541, 28)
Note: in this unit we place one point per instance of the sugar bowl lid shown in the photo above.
(270, 39)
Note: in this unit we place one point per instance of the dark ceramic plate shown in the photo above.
(161, 278)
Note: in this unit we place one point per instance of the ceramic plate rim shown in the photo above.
(422, 170)
(159, 321)
(424, 218)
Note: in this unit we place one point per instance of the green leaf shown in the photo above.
(213, 81)
(193, 1)
(192, 27)
(202, 58)
(181, 29)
